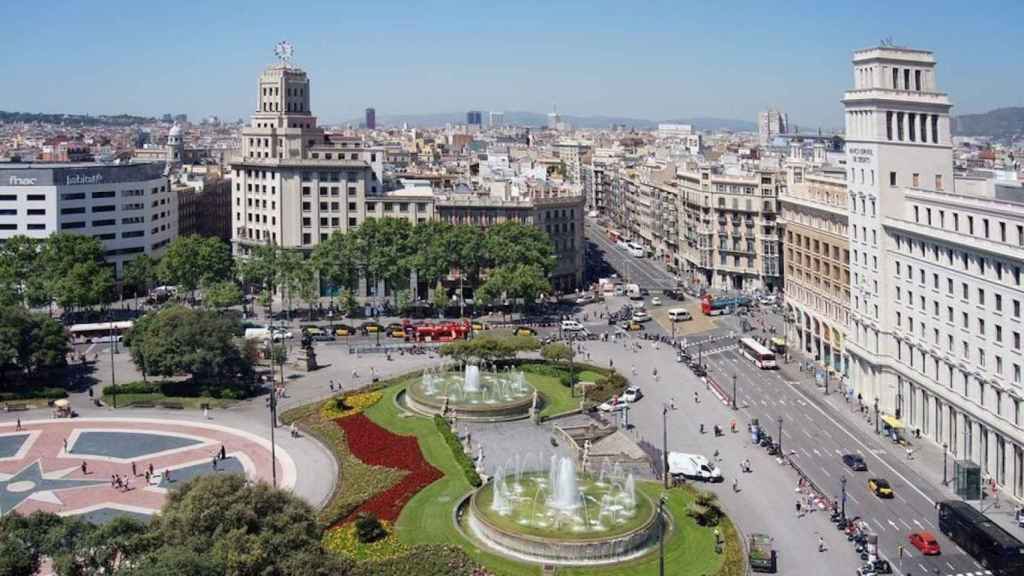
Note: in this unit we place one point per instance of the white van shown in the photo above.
(257, 333)
(572, 326)
(636, 250)
(693, 466)
(679, 315)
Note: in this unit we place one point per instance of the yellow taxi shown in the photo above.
(478, 326)
(632, 326)
(880, 487)
(344, 330)
(524, 331)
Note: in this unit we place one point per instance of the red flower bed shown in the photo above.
(378, 447)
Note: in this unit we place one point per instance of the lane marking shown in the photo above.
(826, 472)
(880, 527)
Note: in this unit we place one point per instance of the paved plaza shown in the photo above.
(69, 466)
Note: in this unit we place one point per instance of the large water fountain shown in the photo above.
(473, 394)
(560, 516)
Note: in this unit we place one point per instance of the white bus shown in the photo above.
(762, 357)
(100, 332)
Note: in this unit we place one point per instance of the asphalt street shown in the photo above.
(641, 271)
(815, 435)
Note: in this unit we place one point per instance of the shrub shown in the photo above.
(347, 405)
(34, 394)
(344, 540)
(133, 388)
(704, 508)
(733, 562)
(369, 529)
(464, 461)
(429, 560)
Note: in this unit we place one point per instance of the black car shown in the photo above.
(674, 295)
(855, 462)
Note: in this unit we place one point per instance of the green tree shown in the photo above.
(221, 295)
(140, 274)
(487, 348)
(245, 529)
(556, 352)
(177, 340)
(347, 302)
(467, 249)
(383, 246)
(519, 282)
(72, 269)
(21, 280)
(337, 260)
(429, 250)
(291, 273)
(192, 261)
(30, 341)
(517, 244)
(84, 285)
(440, 296)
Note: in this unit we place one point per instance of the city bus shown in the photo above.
(99, 332)
(715, 306)
(762, 357)
(993, 547)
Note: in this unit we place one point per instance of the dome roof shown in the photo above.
(175, 131)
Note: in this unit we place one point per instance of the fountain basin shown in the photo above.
(474, 395)
(530, 531)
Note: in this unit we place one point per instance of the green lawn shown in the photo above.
(588, 376)
(427, 518)
(557, 398)
(190, 403)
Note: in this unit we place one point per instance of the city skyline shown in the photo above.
(532, 57)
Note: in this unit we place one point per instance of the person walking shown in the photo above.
(134, 473)
(206, 412)
(798, 509)
(18, 426)
(735, 485)
(821, 544)
(223, 452)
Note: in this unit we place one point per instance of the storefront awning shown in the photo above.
(892, 422)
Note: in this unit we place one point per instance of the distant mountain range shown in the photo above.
(536, 119)
(74, 119)
(1000, 124)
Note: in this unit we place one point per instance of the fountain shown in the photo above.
(561, 516)
(476, 394)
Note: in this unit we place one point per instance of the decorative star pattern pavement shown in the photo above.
(30, 481)
(41, 464)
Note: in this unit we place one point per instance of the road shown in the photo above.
(642, 271)
(816, 432)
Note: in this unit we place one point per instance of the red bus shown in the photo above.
(444, 332)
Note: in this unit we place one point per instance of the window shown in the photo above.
(103, 194)
(938, 183)
(892, 178)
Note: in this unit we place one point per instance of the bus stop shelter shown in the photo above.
(894, 428)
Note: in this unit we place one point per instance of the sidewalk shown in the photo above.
(927, 460)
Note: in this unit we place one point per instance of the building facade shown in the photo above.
(129, 207)
(816, 256)
(293, 184)
(371, 119)
(936, 292)
(771, 123)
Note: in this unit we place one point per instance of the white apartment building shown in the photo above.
(771, 123)
(936, 289)
(293, 184)
(129, 207)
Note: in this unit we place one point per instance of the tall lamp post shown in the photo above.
(877, 430)
(113, 349)
(661, 535)
(842, 483)
(664, 442)
(945, 452)
(733, 390)
(781, 453)
(826, 379)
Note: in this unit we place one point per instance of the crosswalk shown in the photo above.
(978, 573)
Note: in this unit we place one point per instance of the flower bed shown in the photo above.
(376, 446)
(356, 403)
(342, 540)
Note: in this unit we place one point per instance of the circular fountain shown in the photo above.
(560, 516)
(473, 394)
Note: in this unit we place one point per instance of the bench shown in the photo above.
(172, 405)
(143, 404)
(16, 406)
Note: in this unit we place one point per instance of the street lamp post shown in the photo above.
(781, 453)
(113, 349)
(664, 442)
(273, 424)
(734, 391)
(842, 483)
(661, 535)
(877, 430)
(826, 380)
(945, 452)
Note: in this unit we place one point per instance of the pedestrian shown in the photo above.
(167, 476)
(223, 452)
(134, 473)
(696, 398)
(910, 453)
(147, 477)
(206, 412)
(331, 386)
(18, 426)
(294, 431)
(113, 481)
(355, 374)
(66, 445)
(90, 391)
(735, 485)
(821, 544)
(611, 363)
(798, 507)
(214, 462)
(150, 468)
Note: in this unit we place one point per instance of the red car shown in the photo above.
(925, 542)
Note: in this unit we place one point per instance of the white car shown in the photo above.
(641, 316)
(572, 326)
(585, 299)
(280, 335)
(613, 405)
(655, 301)
(632, 394)
(767, 299)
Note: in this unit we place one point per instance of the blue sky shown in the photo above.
(653, 60)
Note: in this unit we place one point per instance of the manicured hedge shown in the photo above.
(465, 463)
(34, 394)
(180, 389)
(427, 560)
